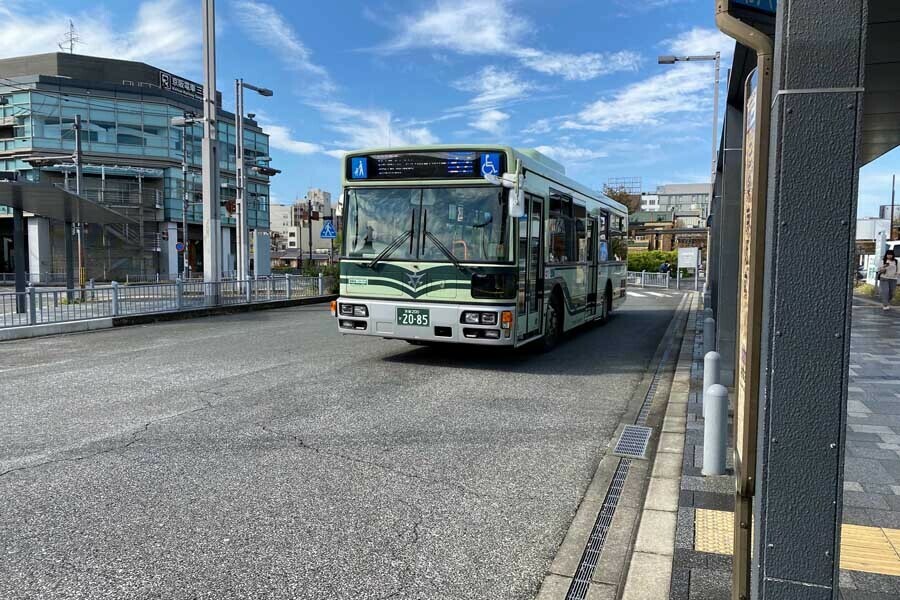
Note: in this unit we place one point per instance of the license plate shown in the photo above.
(416, 317)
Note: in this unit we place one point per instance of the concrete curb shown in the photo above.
(606, 581)
(33, 331)
(650, 571)
(217, 310)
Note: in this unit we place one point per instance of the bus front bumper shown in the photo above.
(443, 325)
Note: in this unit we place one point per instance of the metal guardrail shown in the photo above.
(39, 307)
(648, 279)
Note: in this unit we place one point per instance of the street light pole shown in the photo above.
(243, 229)
(717, 58)
(79, 187)
(184, 200)
(243, 262)
(212, 246)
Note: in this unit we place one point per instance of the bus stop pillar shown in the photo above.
(813, 179)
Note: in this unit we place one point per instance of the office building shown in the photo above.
(132, 159)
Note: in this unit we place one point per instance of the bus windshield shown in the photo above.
(468, 222)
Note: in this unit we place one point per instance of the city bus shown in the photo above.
(476, 245)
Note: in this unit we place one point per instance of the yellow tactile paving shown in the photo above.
(713, 531)
(869, 549)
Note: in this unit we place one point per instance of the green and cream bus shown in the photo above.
(474, 244)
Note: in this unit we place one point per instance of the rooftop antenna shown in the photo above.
(69, 39)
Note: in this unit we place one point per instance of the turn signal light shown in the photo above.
(334, 308)
(506, 318)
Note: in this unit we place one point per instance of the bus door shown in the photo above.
(592, 266)
(533, 259)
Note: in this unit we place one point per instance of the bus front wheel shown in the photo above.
(552, 325)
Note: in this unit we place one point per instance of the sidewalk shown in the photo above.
(870, 550)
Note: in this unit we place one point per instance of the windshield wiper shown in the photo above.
(439, 244)
(395, 243)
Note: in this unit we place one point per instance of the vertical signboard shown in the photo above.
(745, 387)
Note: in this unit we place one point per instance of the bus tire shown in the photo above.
(553, 325)
(607, 304)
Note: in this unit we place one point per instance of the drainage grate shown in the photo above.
(633, 442)
(634, 438)
(582, 581)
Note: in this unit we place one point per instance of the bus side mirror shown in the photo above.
(517, 203)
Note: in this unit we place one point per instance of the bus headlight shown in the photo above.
(478, 318)
(471, 318)
(354, 310)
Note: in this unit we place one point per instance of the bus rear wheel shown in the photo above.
(552, 326)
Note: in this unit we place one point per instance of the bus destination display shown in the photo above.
(424, 165)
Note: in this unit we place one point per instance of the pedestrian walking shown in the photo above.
(887, 279)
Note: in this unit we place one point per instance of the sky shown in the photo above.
(576, 79)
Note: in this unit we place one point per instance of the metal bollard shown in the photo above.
(715, 428)
(287, 287)
(32, 306)
(709, 335)
(711, 362)
(115, 298)
(179, 294)
(321, 285)
(643, 273)
(249, 291)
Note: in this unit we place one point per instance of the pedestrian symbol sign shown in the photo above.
(328, 232)
(359, 168)
(490, 164)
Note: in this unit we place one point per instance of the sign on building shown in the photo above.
(180, 85)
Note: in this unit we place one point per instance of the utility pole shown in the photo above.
(212, 245)
(893, 192)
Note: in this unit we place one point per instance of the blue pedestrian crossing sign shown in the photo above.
(328, 232)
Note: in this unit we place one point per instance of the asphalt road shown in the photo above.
(266, 456)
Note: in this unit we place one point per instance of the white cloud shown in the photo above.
(281, 137)
(165, 33)
(464, 26)
(368, 128)
(269, 29)
(571, 154)
(475, 27)
(490, 121)
(539, 127)
(494, 86)
(580, 67)
(701, 41)
(682, 89)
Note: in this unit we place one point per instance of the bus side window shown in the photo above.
(561, 229)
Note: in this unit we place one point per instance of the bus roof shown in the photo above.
(531, 158)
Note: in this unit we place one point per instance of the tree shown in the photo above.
(631, 201)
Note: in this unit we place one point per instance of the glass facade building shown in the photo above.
(128, 141)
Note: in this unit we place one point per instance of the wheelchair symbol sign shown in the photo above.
(490, 163)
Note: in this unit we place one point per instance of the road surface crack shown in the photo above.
(135, 437)
(369, 463)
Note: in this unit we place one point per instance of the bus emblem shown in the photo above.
(415, 279)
